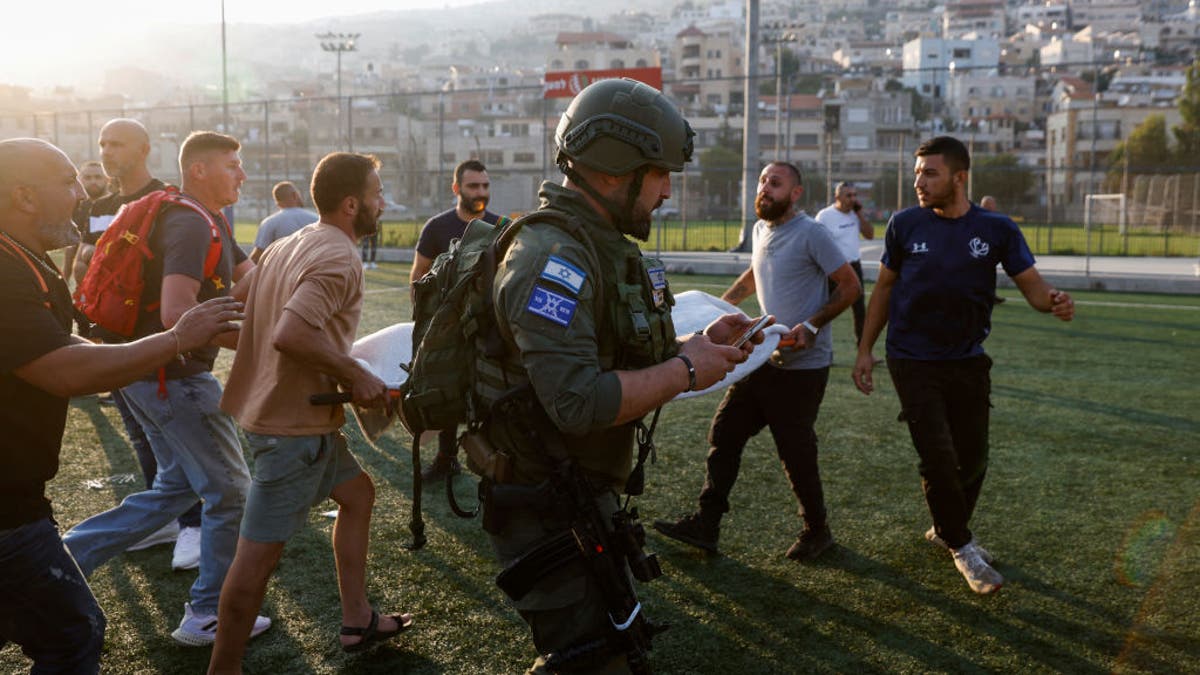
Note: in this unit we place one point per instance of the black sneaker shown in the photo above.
(441, 466)
(693, 530)
(811, 544)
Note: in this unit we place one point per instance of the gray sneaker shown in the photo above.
(693, 530)
(980, 576)
(932, 537)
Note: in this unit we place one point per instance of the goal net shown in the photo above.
(1102, 211)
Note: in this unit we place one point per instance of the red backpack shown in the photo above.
(110, 294)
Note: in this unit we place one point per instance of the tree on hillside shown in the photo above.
(721, 169)
(1001, 176)
(1187, 134)
(1145, 151)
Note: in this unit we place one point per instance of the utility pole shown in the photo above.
(224, 76)
(339, 43)
(750, 129)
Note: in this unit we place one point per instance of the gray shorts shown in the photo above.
(292, 474)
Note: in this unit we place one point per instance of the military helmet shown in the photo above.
(617, 126)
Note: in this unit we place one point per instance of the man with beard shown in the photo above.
(794, 263)
(936, 284)
(196, 445)
(124, 151)
(589, 348)
(304, 303)
(46, 606)
(845, 220)
(95, 184)
(471, 188)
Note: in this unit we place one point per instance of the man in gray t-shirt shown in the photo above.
(290, 217)
(794, 260)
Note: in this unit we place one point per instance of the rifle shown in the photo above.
(602, 546)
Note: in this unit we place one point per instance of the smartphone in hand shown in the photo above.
(759, 324)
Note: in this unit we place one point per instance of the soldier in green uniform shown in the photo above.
(586, 325)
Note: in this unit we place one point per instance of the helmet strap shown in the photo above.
(621, 215)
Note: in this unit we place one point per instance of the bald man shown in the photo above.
(290, 217)
(46, 606)
(124, 151)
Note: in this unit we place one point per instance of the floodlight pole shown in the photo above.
(339, 43)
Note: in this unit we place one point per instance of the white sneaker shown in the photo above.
(932, 537)
(200, 630)
(165, 535)
(980, 576)
(187, 549)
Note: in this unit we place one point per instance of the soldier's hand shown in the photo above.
(729, 328)
(200, 324)
(712, 361)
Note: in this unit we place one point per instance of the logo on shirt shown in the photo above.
(978, 247)
(920, 247)
(550, 305)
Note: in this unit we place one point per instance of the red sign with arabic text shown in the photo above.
(567, 83)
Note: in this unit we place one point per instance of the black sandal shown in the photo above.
(371, 635)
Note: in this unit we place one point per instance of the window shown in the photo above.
(859, 115)
(616, 63)
(581, 64)
(962, 53)
(806, 140)
(858, 143)
(523, 158)
(448, 158)
(641, 63)
(493, 157)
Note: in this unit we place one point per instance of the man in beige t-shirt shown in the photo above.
(303, 305)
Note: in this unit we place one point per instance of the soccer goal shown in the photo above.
(1104, 210)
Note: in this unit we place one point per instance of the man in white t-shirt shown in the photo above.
(845, 221)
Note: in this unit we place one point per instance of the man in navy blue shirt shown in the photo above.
(936, 288)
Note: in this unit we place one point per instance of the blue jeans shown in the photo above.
(46, 606)
(145, 456)
(198, 453)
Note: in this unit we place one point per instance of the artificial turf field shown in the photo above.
(1091, 507)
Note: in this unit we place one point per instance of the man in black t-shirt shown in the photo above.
(95, 184)
(196, 445)
(46, 606)
(124, 151)
(471, 187)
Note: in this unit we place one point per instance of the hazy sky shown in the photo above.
(41, 35)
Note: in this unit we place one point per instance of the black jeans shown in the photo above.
(947, 405)
(46, 606)
(860, 305)
(787, 401)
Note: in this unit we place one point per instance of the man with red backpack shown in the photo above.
(124, 151)
(196, 444)
(46, 606)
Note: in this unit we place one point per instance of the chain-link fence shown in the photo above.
(866, 136)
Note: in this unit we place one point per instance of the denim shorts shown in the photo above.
(292, 474)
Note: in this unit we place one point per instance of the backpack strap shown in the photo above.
(213, 256)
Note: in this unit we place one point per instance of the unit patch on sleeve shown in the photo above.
(550, 305)
(658, 282)
(564, 274)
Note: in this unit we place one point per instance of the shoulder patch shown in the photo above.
(564, 274)
(550, 305)
(658, 277)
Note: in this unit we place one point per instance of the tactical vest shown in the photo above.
(633, 321)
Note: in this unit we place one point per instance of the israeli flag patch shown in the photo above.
(658, 278)
(564, 274)
(550, 305)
